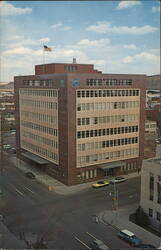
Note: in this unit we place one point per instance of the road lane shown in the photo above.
(60, 217)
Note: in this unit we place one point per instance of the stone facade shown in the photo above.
(151, 190)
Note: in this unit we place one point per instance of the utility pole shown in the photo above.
(115, 201)
(1, 172)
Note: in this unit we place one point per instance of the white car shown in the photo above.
(118, 179)
(7, 146)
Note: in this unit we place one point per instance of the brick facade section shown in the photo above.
(67, 172)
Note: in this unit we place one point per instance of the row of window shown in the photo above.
(105, 144)
(107, 105)
(39, 92)
(107, 119)
(41, 151)
(107, 93)
(129, 166)
(70, 68)
(39, 117)
(82, 160)
(43, 83)
(38, 104)
(89, 174)
(158, 215)
(38, 127)
(108, 82)
(40, 139)
(107, 131)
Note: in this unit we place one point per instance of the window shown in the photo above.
(158, 216)
(150, 212)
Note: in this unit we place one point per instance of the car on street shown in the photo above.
(146, 246)
(7, 146)
(129, 237)
(13, 132)
(118, 179)
(98, 245)
(13, 150)
(30, 175)
(99, 184)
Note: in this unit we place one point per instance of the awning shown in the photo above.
(35, 158)
(107, 166)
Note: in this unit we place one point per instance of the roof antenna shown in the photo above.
(74, 60)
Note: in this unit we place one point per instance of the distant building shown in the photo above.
(150, 127)
(151, 191)
(153, 82)
(78, 123)
(152, 98)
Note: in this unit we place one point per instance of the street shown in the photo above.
(63, 221)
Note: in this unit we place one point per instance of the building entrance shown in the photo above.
(108, 172)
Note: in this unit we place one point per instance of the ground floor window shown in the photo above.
(95, 172)
(150, 212)
(158, 216)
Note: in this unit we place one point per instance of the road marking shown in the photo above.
(19, 192)
(29, 190)
(82, 243)
(92, 236)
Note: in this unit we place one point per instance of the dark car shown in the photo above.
(146, 246)
(30, 175)
(98, 245)
(130, 237)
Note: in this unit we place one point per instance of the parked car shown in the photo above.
(98, 245)
(7, 146)
(118, 179)
(99, 184)
(129, 237)
(13, 132)
(30, 175)
(147, 246)
(13, 150)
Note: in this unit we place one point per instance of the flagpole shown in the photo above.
(43, 60)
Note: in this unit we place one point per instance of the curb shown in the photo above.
(101, 217)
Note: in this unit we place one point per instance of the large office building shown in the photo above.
(79, 124)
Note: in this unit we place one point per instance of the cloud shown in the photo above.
(144, 56)
(156, 9)
(44, 40)
(7, 9)
(18, 51)
(93, 43)
(60, 26)
(21, 41)
(104, 27)
(127, 4)
(130, 46)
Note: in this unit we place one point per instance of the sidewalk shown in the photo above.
(52, 183)
(120, 220)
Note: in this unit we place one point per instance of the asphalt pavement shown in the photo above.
(65, 221)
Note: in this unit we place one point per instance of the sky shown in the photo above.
(115, 36)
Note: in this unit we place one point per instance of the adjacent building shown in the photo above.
(79, 124)
(151, 191)
(151, 127)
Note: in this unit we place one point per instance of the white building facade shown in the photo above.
(151, 191)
